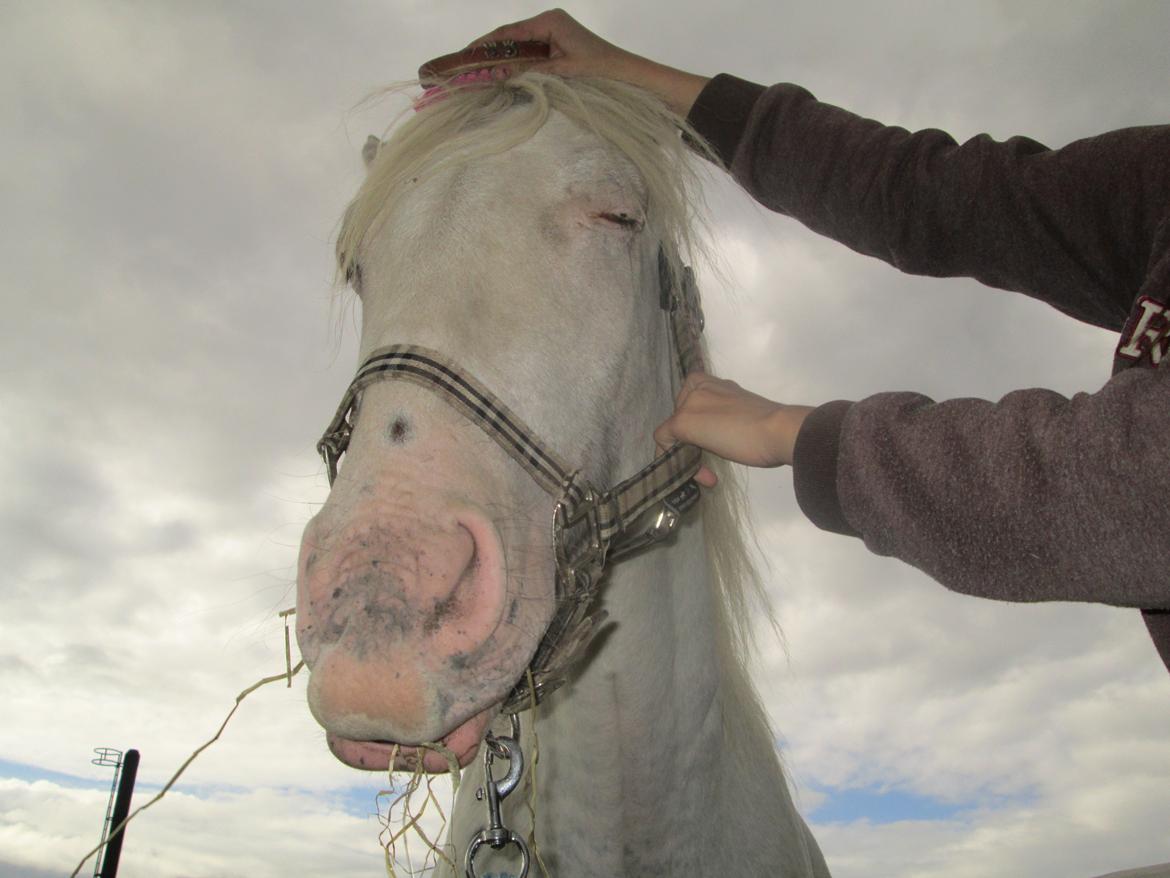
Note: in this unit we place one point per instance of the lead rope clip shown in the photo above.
(498, 836)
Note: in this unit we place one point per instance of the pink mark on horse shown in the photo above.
(482, 77)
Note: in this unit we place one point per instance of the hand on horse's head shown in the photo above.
(574, 50)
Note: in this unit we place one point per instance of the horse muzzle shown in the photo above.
(397, 614)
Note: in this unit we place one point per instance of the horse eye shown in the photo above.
(625, 220)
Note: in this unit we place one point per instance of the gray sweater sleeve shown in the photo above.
(1036, 496)
(1074, 227)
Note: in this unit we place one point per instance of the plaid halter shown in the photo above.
(590, 527)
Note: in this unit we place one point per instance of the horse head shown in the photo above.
(512, 235)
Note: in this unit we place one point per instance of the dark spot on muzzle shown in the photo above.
(399, 430)
(441, 610)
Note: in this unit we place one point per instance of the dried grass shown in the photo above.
(288, 674)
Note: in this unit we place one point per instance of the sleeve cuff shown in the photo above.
(720, 113)
(814, 468)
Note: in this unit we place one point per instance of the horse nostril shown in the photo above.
(392, 581)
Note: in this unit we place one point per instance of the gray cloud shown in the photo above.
(170, 187)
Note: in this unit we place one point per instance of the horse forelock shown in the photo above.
(477, 121)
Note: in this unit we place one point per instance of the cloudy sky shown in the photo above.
(171, 175)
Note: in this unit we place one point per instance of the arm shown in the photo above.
(1036, 497)
(1072, 226)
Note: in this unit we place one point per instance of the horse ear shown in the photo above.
(370, 150)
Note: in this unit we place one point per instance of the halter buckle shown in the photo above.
(664, 522)
(577, 544)
(334, 443)
(580, 553)
(331, 448)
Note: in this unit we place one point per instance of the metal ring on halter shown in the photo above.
(498, 749)
(497, 835)
(512, 838)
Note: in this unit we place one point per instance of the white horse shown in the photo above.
(514, 231)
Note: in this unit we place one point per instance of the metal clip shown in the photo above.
(664, 523)
(681, 501)
(497, 835)
(335, 442)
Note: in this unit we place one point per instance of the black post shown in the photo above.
(113, 851)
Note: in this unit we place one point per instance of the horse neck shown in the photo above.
(657, 759)
(635, 748)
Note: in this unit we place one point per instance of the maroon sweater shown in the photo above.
(1035, 497)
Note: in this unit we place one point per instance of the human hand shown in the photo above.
(574, 50)
(721, 417)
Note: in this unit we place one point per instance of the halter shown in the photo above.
(590, 527)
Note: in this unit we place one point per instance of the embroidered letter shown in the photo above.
(1131, 347)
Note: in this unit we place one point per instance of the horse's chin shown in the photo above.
(463, 741)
